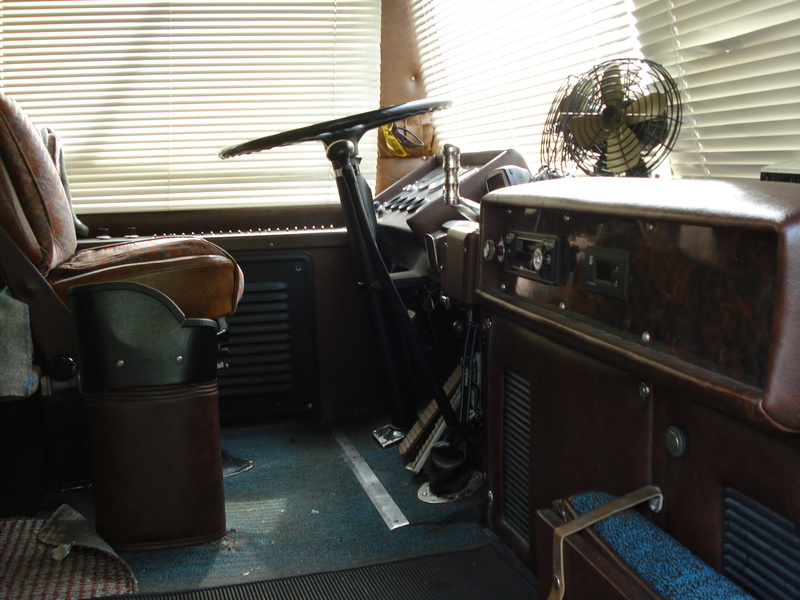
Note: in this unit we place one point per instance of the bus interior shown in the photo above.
(471, 377)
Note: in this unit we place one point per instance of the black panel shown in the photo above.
(761, 549)
(271, 346)
(517, 452)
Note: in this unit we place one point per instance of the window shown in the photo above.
(503, 62)
(737, 63)
(145, 93)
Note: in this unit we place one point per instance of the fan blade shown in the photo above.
(587, 130)
(611, 87)
(623, 151)
(647, 107)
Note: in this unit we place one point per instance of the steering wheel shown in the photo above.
(348, 128)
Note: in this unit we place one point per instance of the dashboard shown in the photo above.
(413, 217)
(687, 277)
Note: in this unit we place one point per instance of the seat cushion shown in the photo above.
(199, 276)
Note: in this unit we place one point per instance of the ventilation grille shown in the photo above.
(517, 453)
(270, 358)
(259, 355)
(761, 549)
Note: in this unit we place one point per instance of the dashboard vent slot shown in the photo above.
(761, 549)
(517, 453)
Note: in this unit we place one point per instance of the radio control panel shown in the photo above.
(541, 257)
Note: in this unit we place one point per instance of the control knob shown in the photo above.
(489, 249)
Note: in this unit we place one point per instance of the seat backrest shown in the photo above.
(34, 207)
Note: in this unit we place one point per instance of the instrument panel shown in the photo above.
(412, 212)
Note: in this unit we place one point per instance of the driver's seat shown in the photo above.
(157, 480)
(36, 217)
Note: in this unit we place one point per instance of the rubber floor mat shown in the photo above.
(489, 571)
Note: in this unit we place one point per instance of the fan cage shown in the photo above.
(622, 117)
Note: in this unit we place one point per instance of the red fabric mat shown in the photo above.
(60, 557)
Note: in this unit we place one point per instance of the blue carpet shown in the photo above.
(301, 510)
(663, 562)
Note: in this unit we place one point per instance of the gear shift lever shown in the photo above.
(468, 209)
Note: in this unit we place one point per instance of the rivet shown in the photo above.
(644, 390)
(120, 363)
(179, 359)
(646, 337)
(562, 305)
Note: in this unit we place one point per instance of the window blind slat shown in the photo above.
(737, 63)
(145, 93)
(503, 62)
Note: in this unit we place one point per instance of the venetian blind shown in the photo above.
(145, 93)
(503, 62)
(738, 64)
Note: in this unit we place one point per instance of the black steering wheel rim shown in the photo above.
(350, 128)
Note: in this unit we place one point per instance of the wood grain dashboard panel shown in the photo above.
(702, 273)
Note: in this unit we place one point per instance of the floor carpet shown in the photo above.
(302, 510)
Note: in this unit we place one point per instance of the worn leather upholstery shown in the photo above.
(35, 210)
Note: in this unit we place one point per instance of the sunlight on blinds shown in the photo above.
(145, 93)
(738, 64)
(501, 63)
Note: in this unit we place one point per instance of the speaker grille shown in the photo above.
(761, 549)
(516, 452)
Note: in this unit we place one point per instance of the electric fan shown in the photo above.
(622, 117)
